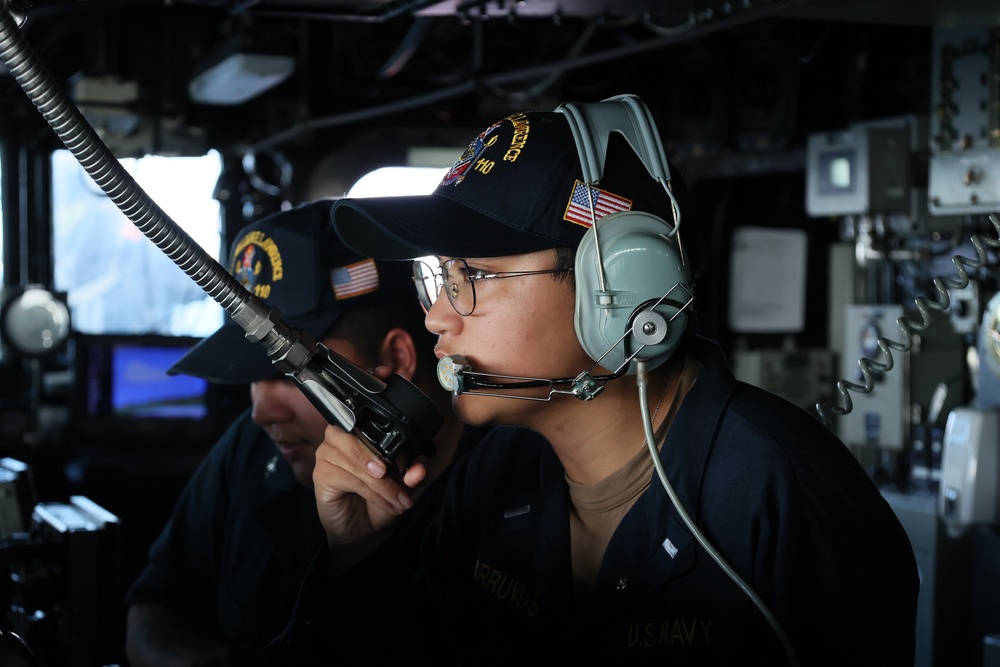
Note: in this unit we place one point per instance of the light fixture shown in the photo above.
(240, 77)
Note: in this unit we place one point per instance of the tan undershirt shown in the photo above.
(597, 509)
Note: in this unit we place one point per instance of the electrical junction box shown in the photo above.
(965, 137)
(866, 168)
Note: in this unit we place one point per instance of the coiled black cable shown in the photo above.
(871, 367)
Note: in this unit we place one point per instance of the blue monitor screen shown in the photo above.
(123, 389)
(140, 386)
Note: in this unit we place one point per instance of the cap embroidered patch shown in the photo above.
(257, 263)
(605, 203)
(461, 167)
(354, 279)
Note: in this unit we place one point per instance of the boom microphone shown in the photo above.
(455, 374)
(646, 327)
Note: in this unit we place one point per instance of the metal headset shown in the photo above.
(633, 278)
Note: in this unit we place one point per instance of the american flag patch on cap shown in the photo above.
(354, 279)
(605, 203)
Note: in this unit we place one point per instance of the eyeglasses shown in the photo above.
(459, 282)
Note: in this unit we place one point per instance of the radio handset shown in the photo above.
(392, 417)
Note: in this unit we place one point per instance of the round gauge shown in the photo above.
(34, 321)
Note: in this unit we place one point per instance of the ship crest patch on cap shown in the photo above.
(472, 158)
(354, 279)
(578, 208)
(468, 158)
(257, 263)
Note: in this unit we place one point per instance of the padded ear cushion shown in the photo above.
(641, 265)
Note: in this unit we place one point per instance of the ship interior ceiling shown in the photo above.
(765, 107)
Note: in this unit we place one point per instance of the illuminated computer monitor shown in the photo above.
(122, 391)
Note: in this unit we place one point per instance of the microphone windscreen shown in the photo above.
(449, 370)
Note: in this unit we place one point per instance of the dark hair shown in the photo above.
(365, 328)
(565, 256)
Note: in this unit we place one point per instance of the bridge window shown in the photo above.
(116, 279)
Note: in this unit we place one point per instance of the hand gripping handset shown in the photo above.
(393, 418)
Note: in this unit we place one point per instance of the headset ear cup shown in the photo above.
(641, 265)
